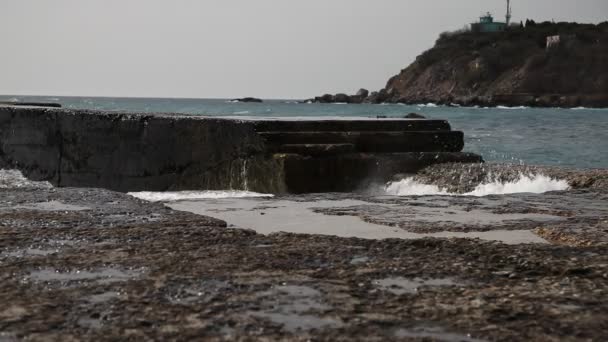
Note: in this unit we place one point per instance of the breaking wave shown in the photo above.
(513, 108)
(193, 195)
(537, 184)
(14, 179)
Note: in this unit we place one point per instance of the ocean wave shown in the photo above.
(506, 107)
(14, 179)
(429, 105)
(194, 195)
(242, 112)
(536, 184)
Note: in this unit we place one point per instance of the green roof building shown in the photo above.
(487, 24)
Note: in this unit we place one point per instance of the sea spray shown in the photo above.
(14, 179)
(536, 184)
(523, 184)
(409, 187)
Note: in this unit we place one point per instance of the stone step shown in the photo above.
(353, 171)
(350, 125)
(380, 142)
(315, 149)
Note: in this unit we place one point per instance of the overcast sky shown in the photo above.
(232, 48)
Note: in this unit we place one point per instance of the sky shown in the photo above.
(288, 49)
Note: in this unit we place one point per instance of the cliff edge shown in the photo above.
(545, 64)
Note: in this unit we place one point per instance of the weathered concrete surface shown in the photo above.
(305, 174)
(124, 151)
(131, 152)
(121, 269)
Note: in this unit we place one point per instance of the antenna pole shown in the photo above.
(508, 12)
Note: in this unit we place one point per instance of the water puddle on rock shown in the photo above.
(29, 252)
(103, 297)
(434, 333)
(101, 276)
(90, 323)
(273, 216)
(295, 322)
(295, 308)
(359, 260)
(52, 206)
(400, 286)
(204, 291)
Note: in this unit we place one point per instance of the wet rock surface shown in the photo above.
(580, 214)
(464, 177)
(122, 268)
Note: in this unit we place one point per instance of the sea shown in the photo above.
(575, 137)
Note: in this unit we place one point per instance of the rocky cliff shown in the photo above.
(546, 64)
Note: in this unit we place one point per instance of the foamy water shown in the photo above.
(14, 179)
(193, 195)
(536, 184)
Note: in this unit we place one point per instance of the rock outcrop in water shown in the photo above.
(248, 100)
(546, 64)
(132, 152)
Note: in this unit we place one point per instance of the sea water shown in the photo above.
(575, 137)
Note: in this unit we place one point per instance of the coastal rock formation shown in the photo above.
(544, 65)
(359, 97)
(511, 68)
(248, 100)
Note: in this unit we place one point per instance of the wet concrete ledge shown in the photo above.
(133, 151)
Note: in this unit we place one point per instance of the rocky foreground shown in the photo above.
(90, 264)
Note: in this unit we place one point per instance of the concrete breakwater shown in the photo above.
(157, 152)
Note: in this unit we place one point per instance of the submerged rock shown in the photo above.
(414, 116)
(248, 99)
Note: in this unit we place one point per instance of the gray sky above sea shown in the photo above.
(234, 48)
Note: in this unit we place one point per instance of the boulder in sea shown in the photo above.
(363, 93)
(327, 98)
(378, 96)
(248, 99)
(342, 98)
(414, 116)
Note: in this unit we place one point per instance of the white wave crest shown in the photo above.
(537, 184)
(429, 105)
(169, 196)
(14, 179)
(409, 187)
(506, 107)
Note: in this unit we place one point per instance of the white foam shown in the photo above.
(409, 187)
(430, 105)
(537, 184)
(505, 107)
(192, 195)
(12, 179)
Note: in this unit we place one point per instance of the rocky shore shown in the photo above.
(537, 65)
(91, 264)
